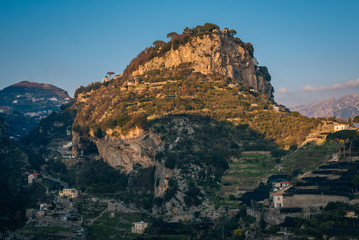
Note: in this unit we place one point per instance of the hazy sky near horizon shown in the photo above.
(311, 48)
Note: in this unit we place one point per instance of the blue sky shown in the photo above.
(311, 48)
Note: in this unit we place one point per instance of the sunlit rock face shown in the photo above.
(219, 53)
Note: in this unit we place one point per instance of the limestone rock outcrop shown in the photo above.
(216, 52)
(124, 153)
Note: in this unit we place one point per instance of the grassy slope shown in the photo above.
(182, 91)
(308, 157)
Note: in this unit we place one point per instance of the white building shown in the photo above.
(32, 177)
(278, 200)
(139, 227)
(69, 192)
(340, 127)
(276, 108)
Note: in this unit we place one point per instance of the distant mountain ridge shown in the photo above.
(24, 104)
(27, 97)
(343, 107)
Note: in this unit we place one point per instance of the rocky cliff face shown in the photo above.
(216, 52)
(138, 147)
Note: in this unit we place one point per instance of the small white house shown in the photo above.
(276, 108)
(43, 206)
(139, 227)
(32, 177)
(340, 127)
(278, 200)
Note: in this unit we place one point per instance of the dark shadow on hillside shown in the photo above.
(203, 141)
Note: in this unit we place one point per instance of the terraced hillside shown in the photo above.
(246, 172)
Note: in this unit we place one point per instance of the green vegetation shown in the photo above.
(46, 232)
(248, 170)
(342, 138)
(55, 125)
(193, 195)
(98, 178)
(308, 157)
(14, 197)
(89, 209)
(47, 229)
(118, 227)
(209, 145)
(330, 222)
(172, 189)
(91, 87)
(182, 91)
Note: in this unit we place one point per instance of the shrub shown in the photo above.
(98, 133)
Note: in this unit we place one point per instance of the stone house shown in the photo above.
(69, 192)
(43, 206)
(278, 200)
(139, 227)
(32, 177)
(340, 127)
(351, 214)
(114, 206)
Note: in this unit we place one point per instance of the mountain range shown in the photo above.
(343, 107)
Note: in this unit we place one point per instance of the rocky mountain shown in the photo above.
(24, 104)
(218, 52)
(182, 111)
(343, 107)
